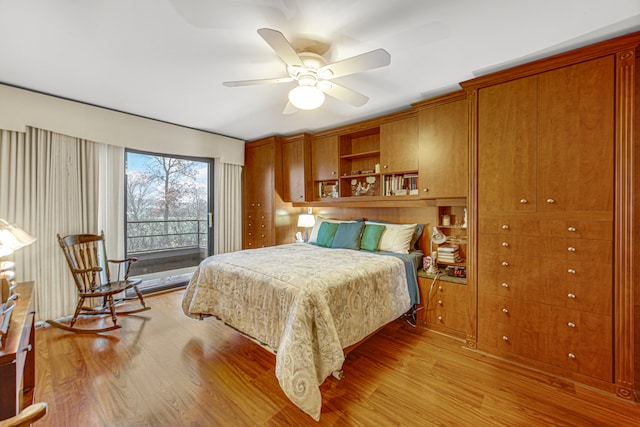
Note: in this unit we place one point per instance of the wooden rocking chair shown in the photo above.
(87, 259)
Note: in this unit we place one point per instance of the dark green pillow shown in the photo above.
(326, 233)
(348, 235)
(371, 237)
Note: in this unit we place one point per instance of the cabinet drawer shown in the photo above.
(547, 247)
(594, 297)
(594, 361)
(447, 319)
(578, 229)
(512, 339)
(511, 268)
(453, 295)
(579, 327)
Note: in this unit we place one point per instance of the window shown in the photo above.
(168, 221)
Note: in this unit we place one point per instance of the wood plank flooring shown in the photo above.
(164, 369)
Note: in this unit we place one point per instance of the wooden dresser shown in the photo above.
(17, 356)
(545, 218)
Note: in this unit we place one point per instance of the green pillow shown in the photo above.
(326, 234)
(371, 237)
(348, 235)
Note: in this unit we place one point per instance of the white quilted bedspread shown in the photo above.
(305, 302)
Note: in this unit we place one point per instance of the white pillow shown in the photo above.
(313, 237)
(396, 238)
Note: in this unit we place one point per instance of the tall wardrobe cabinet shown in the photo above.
(546, 145)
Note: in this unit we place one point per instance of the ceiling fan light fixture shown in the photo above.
(306, 97)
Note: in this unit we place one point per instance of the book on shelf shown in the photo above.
(400, 185)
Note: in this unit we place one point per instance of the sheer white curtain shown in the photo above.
(50, 184)
(228, 208)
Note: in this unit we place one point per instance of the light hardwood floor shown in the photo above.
(164, 369)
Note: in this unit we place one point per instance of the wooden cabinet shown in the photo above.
(17, 356)
(324, 167)
(443, 147)
(262, 178)
(443, 305)
(507, 149)
(545, 217)
(399, 146)
(296, 168)
(546, 141)
(324, 158)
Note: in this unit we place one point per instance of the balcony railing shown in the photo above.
(163, 245)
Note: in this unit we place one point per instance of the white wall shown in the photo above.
(20, 108)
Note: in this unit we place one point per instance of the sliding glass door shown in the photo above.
(168, 222)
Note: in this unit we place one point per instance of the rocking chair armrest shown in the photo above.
(119, 261)
(86, 270)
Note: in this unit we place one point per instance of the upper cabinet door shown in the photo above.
(324, 158)
(576, 137)
(399, 146)
(507, 160)
(443, 152)
(295, 169)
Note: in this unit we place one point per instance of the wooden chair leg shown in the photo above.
(112, 307)
(78, 309)
(135, 288)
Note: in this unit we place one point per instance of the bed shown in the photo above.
(306, 302)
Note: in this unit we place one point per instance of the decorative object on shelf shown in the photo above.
(446, 220)
(306, 221)
(464, 224)
(365, 188)
(438, 238)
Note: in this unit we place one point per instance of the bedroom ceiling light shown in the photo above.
(307, 95)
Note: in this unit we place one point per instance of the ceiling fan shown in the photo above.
(314, 75)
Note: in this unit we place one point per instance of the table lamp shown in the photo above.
(306, 221)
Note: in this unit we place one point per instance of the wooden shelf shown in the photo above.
(360, 155)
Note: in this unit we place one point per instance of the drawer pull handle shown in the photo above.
(505, 338)
(523, 201)
(259, 204)
(571, 271)
(571, 356)
(571, 229)
(505, 244)
(440, 288)
(440, 301)
(572, 296)
(505, 285)
(333, 172)
(571, 325)
(505, 310)
(505, 227)
(426, 190)
(571, 249)
(550, 201)
(505, 264)
(440, 318)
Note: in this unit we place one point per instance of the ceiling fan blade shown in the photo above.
(281, 45)
(366, 61)
(289, 109)
(343, 94)
(258, 81)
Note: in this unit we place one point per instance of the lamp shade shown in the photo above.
(13, 238)
(306, 97)
(306, 220)
(437, 236)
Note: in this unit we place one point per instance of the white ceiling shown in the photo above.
(167, 59)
